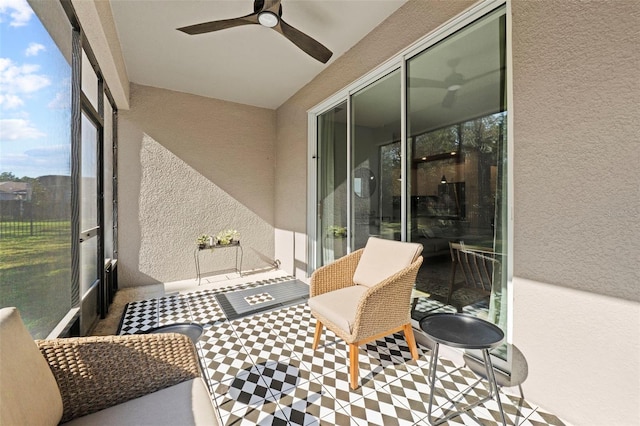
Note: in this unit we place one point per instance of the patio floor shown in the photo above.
(261, 368)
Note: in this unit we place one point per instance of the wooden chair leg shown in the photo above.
(411, 341)
(353, 365)
(318, 333)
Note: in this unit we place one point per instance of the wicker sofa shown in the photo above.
(124, 380)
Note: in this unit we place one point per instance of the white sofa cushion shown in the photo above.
(29, 393)
(383, 258)
(187, 403)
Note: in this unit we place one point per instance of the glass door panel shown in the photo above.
(457, 188)
(35, 171)
(332, 184)
(375, 161)
(390, 187)
(89, 81)
(88, 207)
(108, 180)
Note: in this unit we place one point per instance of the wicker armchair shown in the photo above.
(366, 295)
(138, 379)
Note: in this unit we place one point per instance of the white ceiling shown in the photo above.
(250, 64)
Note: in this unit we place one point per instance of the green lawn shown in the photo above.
(35, 276)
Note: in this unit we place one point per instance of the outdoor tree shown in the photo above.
(9, 177)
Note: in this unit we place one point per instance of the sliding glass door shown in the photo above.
(332, 184)
(456, 126)
(419, 153)
(375, 130)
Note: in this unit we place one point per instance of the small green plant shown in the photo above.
(227, 236)
(202, 240)
(337, 231)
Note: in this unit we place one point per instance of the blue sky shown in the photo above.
(34, 96)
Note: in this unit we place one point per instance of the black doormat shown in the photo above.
(238, 304)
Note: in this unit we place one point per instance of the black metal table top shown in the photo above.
(193, 331)
(462, 331)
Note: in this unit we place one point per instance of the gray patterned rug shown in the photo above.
(238, 304)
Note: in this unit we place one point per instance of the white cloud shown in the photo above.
(10, 101)
(17, 129)
(38, 161)
(19, 12)
(61, 101)
(21, 78)
(49, 151)
(34, 49)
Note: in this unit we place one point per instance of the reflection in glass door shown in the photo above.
(391, 185)
(375, 160)
(332, 184)
(457, 188)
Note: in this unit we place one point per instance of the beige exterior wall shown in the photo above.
(576, 314)
(189, 165)
(576, 80)
(576, 180)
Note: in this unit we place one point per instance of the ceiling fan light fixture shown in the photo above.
(454, 87)
(268, 19)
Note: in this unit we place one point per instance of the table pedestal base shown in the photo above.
(493, 388)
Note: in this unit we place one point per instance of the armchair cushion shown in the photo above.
(340, 306)
(383, 258)
(29, 393)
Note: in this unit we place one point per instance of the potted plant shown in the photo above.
(337, 231)
(202, 241)
(228, 236)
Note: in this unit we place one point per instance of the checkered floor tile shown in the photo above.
(262, 369)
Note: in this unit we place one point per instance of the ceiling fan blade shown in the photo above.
(449, 99)
(304, 42)
(426, 82)
(484, 74)
(223, 24)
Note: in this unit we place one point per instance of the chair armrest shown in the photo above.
(386, 305)
(94, 373)
(336, 275)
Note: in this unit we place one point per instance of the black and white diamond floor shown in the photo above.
(262, 371)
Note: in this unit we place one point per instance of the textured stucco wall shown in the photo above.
(190, 165)
(576, 316)
(583, 353)
(576, 68)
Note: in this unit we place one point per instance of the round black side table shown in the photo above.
(191, 330)
(464, 332)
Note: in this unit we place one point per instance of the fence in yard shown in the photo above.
(33, 228)
(20, 218)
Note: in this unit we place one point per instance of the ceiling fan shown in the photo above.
(267, 13)
(453, 82)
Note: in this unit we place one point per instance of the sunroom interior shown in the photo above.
(483, 128)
